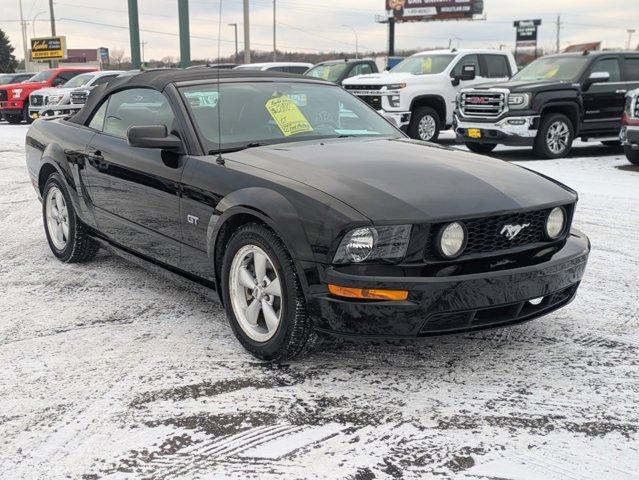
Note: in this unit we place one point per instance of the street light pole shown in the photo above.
(247, 33)
(629, 31)
(53, 63)
(237, 53)
(23, 26)
(34, 21)
(274, 31)
(356, 40)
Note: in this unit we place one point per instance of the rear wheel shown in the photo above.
(425, 124)
(555, 136)
(68, 238)
(262, 296)
(13, 119)
(482, 148)
(631, 154)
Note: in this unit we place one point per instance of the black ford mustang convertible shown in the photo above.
(303, 209)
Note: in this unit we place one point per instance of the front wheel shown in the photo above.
(262, 296)
(68, 238)
(481, 148)
(555, 136)
(25, 114)
(13, 119)
(631, 154)
(425, 124)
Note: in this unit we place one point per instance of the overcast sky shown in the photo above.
(315, 25)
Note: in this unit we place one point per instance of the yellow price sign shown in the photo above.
(288, 116)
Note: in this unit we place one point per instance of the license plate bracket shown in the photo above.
(474, 133)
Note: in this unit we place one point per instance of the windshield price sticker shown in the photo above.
(288, 116)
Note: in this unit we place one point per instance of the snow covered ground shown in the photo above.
(108, 371)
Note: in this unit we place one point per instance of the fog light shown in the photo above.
(536, 301)
(555, 223)
(519, 121)
(367, 293)
(452, 240)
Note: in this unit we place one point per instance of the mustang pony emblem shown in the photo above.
(511, 231)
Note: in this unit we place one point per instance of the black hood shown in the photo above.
(403, 180)
(529, 85)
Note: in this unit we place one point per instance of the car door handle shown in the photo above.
(621, 91)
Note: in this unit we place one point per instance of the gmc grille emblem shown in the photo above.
(477, 100)
(511, 231)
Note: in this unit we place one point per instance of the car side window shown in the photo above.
(277, 69)
(467, 60)
(631, 73)
(137, 107)
(496, 66)
(362, 69)
(104, 79)
(298, 70)
(610, 65)
(97, 121)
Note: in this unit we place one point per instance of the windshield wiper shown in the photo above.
(237, 149)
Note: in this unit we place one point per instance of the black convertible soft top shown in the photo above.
(158, 79)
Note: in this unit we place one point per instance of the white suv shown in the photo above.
(419, 93)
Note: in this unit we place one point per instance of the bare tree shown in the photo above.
(116, 57)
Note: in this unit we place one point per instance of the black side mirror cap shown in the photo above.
(468, 72)
(152, 136)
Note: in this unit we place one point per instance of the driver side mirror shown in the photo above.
(152, 136)
(468, 72)
(596, 77)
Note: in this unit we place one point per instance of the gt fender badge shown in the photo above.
(192, 219)
(511, 231)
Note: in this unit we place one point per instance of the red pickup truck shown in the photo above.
(14, 98)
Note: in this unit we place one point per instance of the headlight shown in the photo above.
(555, 223)
(518, 101)
(54, 99)
(16, 92)
(395, 86)
(373, 243)
(451, 240)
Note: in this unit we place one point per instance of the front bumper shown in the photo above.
(399, 119)
(512, 131)
(440, 305)
(629, 136)
(52, 110)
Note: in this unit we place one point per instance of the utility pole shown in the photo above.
(391, 36)
(247, 33)
(185, 35)
(356, 40)
(142, 45)
(237, 53)
(558, 33)
(274, 30)
(52, 63)
(629, 31)
(134, 34)
(23, 26)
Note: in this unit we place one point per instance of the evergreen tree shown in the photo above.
(8, 62)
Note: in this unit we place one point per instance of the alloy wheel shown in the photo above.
(57, 218)
(427, 127)
(557, 137)
(256, 293)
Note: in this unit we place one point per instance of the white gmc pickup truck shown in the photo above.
(419, 93)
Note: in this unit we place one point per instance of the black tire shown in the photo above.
(25, 114)
(295, 335)
(13, 119)
(611, 143)
(631, 154)
(79, 247)
(418, 115)
(481, 148)
(541, 146)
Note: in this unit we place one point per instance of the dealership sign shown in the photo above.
(428, 10)
(49, 48)
(527, 32)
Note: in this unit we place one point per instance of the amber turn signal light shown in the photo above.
(367, 293)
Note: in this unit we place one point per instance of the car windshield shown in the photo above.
(80, 80)
(553, 68)
(423, 64)
(42, 76)
(6, 78)
(331, 72)
(258, 113)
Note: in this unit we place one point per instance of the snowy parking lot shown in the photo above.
(109, 371)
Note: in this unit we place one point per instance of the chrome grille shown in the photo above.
(482, 104)
(36, 100)
(367, 93)
(79, 98)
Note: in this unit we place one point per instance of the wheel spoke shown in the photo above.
(59, 201)
(59, 233)
(259, 262)
(274, 288)
(246, 279)
(271, 318)
(253, 311)
(65, 230)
